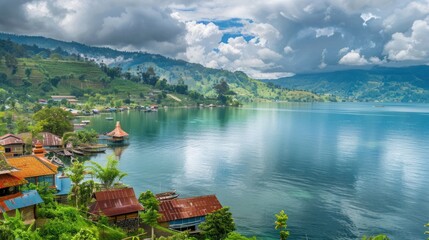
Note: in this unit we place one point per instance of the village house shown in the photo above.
(11, 199)
(70, 99)
(187, 213)
(35, 168)
(119, 205)
(11, 145)
(48, 140)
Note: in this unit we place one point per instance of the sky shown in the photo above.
(264, 38)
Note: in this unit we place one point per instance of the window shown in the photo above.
(7, 150)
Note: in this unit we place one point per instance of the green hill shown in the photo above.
(195, 76)
(402, 84)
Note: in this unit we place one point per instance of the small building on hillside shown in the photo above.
(187, 213)
(48, 140)
(119, 205)
(35, 168)
(70, 99)
(12, 144)
(11, 199)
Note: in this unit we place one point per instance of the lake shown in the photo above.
(339, 170)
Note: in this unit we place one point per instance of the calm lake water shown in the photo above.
(339, 170)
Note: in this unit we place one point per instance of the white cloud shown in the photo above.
(325, 32)
(343, 51)
(412, 47)
(288, 50)
(367, 17)
(322, 64)
(353, 58)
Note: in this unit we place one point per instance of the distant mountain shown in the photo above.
(383, 84)
(196, 76)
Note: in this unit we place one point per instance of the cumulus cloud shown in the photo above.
(353, 58)
(267, 38)
(410, 47)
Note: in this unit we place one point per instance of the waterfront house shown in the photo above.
(11, 199)
(35, 168)
(119, 205)
(48, 140)
(118, 135)
(12, 144)
(187, 213)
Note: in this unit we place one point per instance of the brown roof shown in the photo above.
(115, 202)
(117, 132)
(9, 139)
(8, 180)
(32, 166)
(48, 139)
(182, 208)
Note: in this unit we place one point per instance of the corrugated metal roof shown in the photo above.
(115, 202)
(183, 208)
(8, 180)
(48, 139)
(63, 185)
(20, 200)
(32, 166)
(9, 139)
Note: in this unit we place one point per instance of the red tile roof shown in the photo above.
(8, 180)
(32, 166)
(9, 139)
(48, 139)
(117, 132)
(182, 208)
(115, 202)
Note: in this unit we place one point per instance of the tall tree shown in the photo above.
(280, 224)
(54, 120)
(150, 216)
(109, 174)
(148, 200)
(76, 173)
(218, 224)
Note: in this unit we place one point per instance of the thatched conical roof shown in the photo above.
(117, 132)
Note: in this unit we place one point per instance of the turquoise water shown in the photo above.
(339, 170)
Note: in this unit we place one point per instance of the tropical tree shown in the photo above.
(54, 120)
(150, 216)
(148, 200)
(108, 174)
(76, 173)
(238, 236)
(280, 224)
(218, 224)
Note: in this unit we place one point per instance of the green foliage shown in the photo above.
(281, 224)
(54, 120)
(378, 237)
(108, 174)
(218, 224)
(14, 228)
(86, 234)
(80, 193)
(178, 236)
(6, 233)
(238, 236)
(148, 200)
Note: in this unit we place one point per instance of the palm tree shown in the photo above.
(108, 174)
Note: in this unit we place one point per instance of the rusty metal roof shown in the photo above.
(182, 208)
(9, 139)
(8, 180)
(32, 166)
(48, 139)
(115, 202)
(19, 200)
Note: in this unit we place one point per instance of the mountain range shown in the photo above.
(378, 84)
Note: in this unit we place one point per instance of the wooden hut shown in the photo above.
(118, 135)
